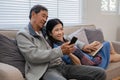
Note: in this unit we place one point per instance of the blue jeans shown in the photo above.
(79, 72)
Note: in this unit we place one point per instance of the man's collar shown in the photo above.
(31, 30)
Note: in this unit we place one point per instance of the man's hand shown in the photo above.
(67, 49)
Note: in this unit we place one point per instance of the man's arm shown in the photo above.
(91, 47)
(36, 51)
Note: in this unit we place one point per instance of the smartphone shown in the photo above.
(73, 40)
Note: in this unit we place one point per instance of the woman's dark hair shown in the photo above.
(49, 27)
(37, 9)
(51, 24)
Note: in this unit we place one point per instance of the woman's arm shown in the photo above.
(75, 59)
(91, 47)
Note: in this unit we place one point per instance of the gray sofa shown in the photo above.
(9, 72)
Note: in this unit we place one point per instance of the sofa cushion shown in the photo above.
(10, 54)
(94, 35)
(80, 34)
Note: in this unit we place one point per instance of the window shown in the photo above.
(69, 11)
(110, 6)
(14, 13)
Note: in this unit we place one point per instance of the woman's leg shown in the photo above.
(114, 56)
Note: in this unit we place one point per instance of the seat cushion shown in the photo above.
(8, 72)
(10, 54)
(94, 35)
(80, 34)
(113, 70)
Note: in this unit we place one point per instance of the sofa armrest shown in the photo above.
(8, 72)
(116, 46)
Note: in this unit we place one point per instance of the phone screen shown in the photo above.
(73, 40)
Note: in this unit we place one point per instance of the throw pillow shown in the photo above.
(94, 35)
(80, 34)
(10, 54)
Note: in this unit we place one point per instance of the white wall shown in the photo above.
(110, 24)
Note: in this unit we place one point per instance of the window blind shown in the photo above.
(14, 13)
(69, 11)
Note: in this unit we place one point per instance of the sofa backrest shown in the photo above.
(9, 33)
(70, 29)
(67, 30)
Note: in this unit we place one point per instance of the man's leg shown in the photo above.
(82, 72)
(53, 74)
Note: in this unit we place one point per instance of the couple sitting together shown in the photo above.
(53, 58)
